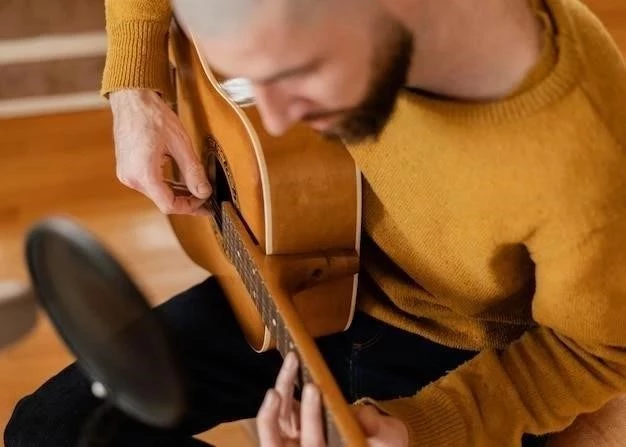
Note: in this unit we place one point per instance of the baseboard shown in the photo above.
(51, 47)
(51, 77)
(44, 105)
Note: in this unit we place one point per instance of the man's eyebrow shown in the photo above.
(298, 70)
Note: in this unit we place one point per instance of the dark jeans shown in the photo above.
(227, 380)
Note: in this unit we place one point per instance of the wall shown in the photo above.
(51, 55)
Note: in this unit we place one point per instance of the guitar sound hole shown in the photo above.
(219, 182)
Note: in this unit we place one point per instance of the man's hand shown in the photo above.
(284, 422)
(146, 133)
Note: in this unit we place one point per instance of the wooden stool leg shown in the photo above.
(18, 311)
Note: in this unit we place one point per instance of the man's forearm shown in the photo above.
(137, 56)
(572, 363)
(538, 385)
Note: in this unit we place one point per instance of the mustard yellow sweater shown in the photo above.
(499, 227)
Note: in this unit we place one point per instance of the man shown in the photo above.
(491, 145)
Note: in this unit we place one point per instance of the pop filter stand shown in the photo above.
(107, 323)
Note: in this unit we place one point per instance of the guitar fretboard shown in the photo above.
(243, 262)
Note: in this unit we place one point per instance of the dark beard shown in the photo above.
(370, 117)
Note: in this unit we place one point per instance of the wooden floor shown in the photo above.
(64, 164)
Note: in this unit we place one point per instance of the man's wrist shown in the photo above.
(121, 97)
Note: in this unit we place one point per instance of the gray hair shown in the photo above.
(211, 18)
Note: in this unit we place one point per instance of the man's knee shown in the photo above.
(16, 431)
(52, 415)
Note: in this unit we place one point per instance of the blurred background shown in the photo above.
(56, 157)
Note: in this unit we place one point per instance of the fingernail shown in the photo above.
(204, 188)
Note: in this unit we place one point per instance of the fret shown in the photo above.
(254, 293)
(280, 333)
(285, 337)
(264, 299)
(277, 329)
(255, 288)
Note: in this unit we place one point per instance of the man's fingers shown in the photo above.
(369, 418)
(169, 203)
(146, 131)
(190, 166)
(189, 205)
(381, 430)
(311, 417)
(162, 196)
(154, 186)
(285, 383)
(267, 420)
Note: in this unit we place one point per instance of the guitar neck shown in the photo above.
(282, 320)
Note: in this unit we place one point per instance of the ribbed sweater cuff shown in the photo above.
(431, 417)
(137, 57)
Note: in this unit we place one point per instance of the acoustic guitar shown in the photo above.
(283, 234)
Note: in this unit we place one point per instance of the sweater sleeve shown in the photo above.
(573, 362)
(137, 52)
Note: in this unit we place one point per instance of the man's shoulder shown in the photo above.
(601, 64)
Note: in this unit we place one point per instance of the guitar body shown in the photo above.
(298, 195)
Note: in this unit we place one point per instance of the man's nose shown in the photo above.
(278, 111)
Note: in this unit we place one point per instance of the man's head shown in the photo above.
(336, 65)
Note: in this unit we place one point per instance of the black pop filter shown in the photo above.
(105, 321)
